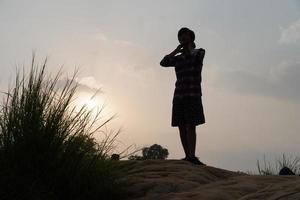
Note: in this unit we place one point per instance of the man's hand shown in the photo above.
(179, 49)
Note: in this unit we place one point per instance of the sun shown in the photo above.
(90, 102)
(98, 105)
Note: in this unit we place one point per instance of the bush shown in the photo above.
(47, 148)
(292, 162)
(153, 152)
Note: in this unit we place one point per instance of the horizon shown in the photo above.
(251, 70)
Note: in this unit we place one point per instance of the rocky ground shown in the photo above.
(181, 180)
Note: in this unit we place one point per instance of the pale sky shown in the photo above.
(251, 70)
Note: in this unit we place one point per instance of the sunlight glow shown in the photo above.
(91, 104)
(94, 103)
(87, 100)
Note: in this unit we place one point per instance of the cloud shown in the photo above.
(87, 84)
(123, 42)
(90, 82)
(291, 34)
(100, 36)
(281, 82)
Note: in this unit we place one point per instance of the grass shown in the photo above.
(268, 168)
(47, 146)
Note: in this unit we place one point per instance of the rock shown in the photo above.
(181, 180)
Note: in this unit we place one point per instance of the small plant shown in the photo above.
(153, 152)
(268, 168)
(292, 162)
(47, 148)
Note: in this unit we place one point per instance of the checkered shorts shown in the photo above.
(187, 110)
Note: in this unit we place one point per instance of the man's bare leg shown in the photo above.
(184, 140)
(191, 139)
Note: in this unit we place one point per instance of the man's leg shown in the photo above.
(184, 141)
(191, 139)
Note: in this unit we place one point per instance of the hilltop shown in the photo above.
(181, 180)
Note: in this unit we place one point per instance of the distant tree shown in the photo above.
(153, 152)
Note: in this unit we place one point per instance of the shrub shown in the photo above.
(268, 168)
(47, 148)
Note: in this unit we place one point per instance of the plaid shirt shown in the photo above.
(188, 72)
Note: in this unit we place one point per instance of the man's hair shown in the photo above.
(190, 32)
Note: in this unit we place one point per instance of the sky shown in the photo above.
(250, 76)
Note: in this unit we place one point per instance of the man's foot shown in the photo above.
(185, 159)
(195, 161)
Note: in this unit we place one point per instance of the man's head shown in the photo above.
(186, 36)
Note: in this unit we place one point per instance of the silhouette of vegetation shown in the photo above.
(47, 148)
(268, 168)
(153, 152)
